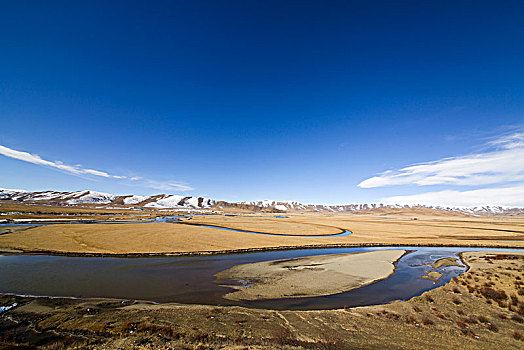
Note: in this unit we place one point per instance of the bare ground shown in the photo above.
(311, 276)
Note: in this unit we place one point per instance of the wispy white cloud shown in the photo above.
(503, 163)
(79, 170)
(512, 196)
(36, 159)
(167, 186)
(515, 140)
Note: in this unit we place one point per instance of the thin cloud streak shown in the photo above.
(505, 164)
(512, 196)
(35, 159)
(78, 170)
(167, 186)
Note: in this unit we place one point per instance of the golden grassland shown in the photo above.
(268, 224)
(482, 309)
(401, 229)
(158, 238)
(183, 238)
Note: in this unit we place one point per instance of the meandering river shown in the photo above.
(191, 279)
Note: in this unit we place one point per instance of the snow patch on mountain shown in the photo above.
(177, 201)
(11, 190)
(93, 197)
(135, 199)
(171, 201)
(193, 201)
(10, 194)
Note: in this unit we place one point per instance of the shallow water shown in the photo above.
(36, 222)
(191, 279)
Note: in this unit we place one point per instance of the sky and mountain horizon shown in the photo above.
(318, 102)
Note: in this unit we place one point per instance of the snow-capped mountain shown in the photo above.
(93, 197)
(380, 207)
(279, 205)
(166, 201)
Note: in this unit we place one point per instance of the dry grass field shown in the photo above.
(186, 237)
(157, 238)
(268, 224)
(398, 229)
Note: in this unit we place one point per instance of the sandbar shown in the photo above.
(310, 276)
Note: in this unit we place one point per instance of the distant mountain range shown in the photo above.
(159, 201)
(166, 201)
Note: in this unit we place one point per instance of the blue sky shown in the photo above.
(314, 101)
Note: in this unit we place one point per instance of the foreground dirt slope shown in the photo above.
(482, 309)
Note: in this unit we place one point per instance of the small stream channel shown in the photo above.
(164, 219)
